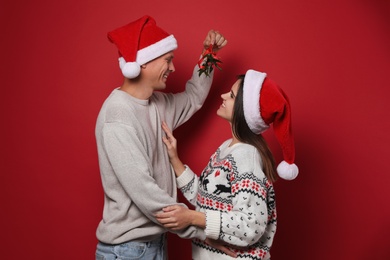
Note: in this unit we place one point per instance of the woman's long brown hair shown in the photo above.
(243, 133)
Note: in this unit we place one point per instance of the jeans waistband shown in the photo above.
(157, 240)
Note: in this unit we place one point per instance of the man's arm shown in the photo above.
(133, 170)
(183, 105)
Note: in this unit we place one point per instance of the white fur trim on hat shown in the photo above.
(252, 86)
(156, 50)
(287, 171)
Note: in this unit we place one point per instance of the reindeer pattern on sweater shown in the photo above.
(238, 200)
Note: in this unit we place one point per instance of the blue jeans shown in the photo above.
(153, 250)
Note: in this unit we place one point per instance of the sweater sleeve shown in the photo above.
(179, 107)
(188, 184)
(246, 222)
(132, 168)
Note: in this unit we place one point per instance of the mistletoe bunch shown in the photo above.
(208, 61)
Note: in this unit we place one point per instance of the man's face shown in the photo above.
(156, 72)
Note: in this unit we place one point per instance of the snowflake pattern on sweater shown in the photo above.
(238, 200)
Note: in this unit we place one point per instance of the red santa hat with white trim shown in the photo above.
(265, 103)
(140, 42)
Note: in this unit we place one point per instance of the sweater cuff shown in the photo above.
(191, 232)
(200, 234)
(213, 221)
(185, 177)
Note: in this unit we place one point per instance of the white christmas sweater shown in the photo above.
(238, 200)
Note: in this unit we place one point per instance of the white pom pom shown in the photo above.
(287, 171)
(129, 69)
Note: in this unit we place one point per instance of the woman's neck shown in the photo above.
(234, 141)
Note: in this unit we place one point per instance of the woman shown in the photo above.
(234, 195)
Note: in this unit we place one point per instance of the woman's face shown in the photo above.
(226, 109)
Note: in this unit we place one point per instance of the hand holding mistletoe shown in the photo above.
(212, 44)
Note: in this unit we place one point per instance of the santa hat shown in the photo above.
(140, 42)
(265, 104)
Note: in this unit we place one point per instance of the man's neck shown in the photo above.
(136, 89)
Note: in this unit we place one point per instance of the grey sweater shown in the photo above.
(135, 171)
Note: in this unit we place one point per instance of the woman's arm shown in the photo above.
(186, 180)
(173, 217)
(171, 144)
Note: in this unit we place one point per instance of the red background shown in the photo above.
(331, 57)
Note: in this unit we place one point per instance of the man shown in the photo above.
(136, 175)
